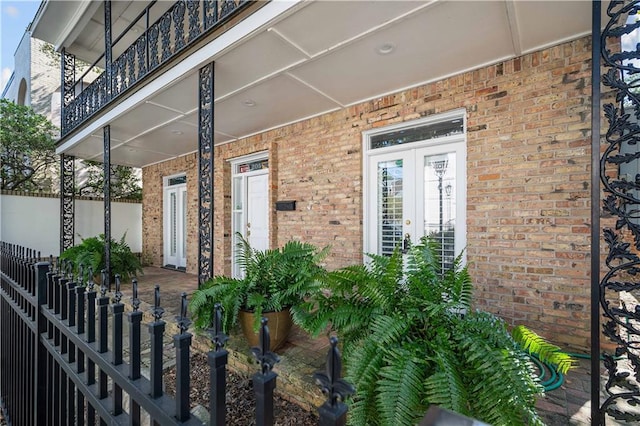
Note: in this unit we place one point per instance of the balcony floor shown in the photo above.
(302, 356)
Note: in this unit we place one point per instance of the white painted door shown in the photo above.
(175, 218)
(250, 201)
(257, 226)
(414, 193)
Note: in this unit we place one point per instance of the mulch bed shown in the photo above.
(240, 398)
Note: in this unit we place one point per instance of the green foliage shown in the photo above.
(27, 149)
(125, 183)
(544, 350)
(273, 280)
(411, 339)
(90, 253)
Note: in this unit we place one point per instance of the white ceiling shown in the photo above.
(321, 57)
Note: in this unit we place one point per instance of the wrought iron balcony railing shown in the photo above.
(182, 25)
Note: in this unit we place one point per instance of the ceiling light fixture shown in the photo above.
(386, 48)
(176, 132)
(249, 103)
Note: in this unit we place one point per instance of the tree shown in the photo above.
(125, 182)
(27, 149)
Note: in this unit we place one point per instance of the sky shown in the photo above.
(14, 19)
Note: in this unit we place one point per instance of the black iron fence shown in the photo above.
(62, 355)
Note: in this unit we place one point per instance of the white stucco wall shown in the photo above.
(34, 222)
(21, 70)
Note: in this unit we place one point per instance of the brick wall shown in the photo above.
(152, 224)
(528, 184)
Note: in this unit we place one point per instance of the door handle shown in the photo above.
(406, 243)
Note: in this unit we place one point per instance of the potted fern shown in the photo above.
(90, 254)
(411, 340)
(274, 281)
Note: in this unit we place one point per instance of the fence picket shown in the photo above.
(48, 347)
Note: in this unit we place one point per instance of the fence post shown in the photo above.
(117, 309)
(156, 330)
(40, 377)
(80, 303)
(135, 318)
(264, 381)
(91, 337)
(71, 351)
(333, 412)
(217, 359)
(103, 338)
(182, 342)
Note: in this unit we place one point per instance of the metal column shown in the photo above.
(205, 173)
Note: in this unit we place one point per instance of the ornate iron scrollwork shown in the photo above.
(227, 7)
(154, 30)
(161, 41)
(68, 93)
(194, 23)
(178, 24)
(205, 173)
(165, 33)
(141, 47)
(67, 208)
(620, 175)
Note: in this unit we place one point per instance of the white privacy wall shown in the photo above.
(34, 222)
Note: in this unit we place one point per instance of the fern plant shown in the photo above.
(90, 253)
(411, 339)
(273, 280)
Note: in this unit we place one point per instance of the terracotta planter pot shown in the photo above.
(279, 327)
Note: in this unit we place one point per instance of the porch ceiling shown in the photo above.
(322, 56)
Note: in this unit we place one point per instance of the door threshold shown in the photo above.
(175, 268)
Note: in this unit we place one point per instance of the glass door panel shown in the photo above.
(390, 205)
(439, 196)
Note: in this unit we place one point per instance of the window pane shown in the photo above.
(390, 182)
(178, 180)
(415, 134)
(440, 203)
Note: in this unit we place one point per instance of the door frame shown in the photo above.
(165, 219)
(238, 215)
(368, 216)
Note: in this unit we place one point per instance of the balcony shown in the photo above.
(154, 37)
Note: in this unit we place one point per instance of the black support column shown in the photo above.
(108, 73)
(107, 201)
(596, 418)
(67, 201)
(205, 173)
(68, 77)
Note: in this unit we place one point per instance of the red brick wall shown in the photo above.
(152, 206)
(528, 174)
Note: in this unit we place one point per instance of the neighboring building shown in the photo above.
(36, 78)
(352, 124)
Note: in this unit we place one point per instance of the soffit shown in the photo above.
(322, 56)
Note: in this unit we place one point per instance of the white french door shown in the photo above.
(175, 223)
(250, 201)
(414, 193)
(257, 226)
(415, 185)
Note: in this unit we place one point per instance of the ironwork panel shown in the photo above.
(205, 173)
(620, 177)
(68, 81)
(67, 201)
